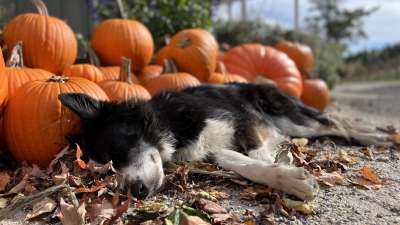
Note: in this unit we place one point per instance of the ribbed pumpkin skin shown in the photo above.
(301, 54)
(194, 51)
(117, 90)
(3, 84)
(160, 56)
(49, 43)
(148, 73)
(87, 71)
(114, 38)
(171, 82)
(219, 78)
(251, 60)
(315, 94)
(35, 121)
(112, 73)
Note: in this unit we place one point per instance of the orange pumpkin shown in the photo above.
(160, 56)
(223, 77)
(3, 86)
(39, 135)
(124, 88)
(315, 93)
(252, 60)
(171, 79)
(114, 38)
(194, 51)
(18, 74)
(301, 54)
(148, 73)
(49, 43)
(87, 71)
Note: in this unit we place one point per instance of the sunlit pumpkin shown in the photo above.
(194, 51)
(87, 71)
(124, 88)
(252, 60)
(300, 53)
(315, 93)
(149, 72)
(35, 121)
(160, 56)
(171, 79)
(3, 86)
(49, 43)
(223, 77)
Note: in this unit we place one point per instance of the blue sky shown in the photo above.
(382, 27)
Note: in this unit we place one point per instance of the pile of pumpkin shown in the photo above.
(34, 120)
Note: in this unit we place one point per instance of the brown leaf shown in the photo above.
(71, 216)
(60, 178)
(80, 162)
(100, 212)
(103, 169)
(219, 218)
(94, 188)
(210, 206)
(220, 195)
(36, 172)
(241, 182)
(330, 179)
(206, 166)
(55, 160)
(281, 206)
(45, 206)
(3, 203)
(4, 180)
(365, 183)
(369, 174)
(268, 215)
(21, 185)
(193, 220)
(182, 172)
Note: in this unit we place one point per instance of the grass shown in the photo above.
(386, 74)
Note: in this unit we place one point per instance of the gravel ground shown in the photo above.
(366, 104)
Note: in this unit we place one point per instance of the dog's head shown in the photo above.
(124, 133)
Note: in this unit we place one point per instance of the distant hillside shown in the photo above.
(374, 64)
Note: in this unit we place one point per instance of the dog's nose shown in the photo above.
(139, 189)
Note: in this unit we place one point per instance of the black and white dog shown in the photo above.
(235, 125)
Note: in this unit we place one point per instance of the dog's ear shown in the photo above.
(84, 106)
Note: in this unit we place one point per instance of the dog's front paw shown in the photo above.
(295, 181)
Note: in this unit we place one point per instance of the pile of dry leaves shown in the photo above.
(75, 192)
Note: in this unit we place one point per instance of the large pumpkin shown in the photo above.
(148, 73)
(194, 51)
(315, 93)
(300, 53)
(171, 79)
(87, 71)
(49, 43)
(224, 77)
(124, 88)
(35, 121)
(114, 38)
(3, 86)
(252, 60)
(160, 56)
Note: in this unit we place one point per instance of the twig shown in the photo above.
(22, 202)
(170, 168)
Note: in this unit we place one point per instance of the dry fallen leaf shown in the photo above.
(71, 216)
(219, 218)
(330, 178)
(193, 220)
(365, 183)
(344, 157)
(4, 179)
(99, 212)
(268, 215)
(3, 203)
(55, 160)
(210, 206)
(300, 141)
(45, 206)
(298, 205)
(369, 174)
(220, 195)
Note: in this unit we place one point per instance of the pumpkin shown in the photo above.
(223, 77)
(87, 71)
(301, 54)
(171, 79)
(3, 86)
(160, 56)
(124, 88)
(35, 121)
(315, 93)
(114, 38)
(18, 74)
(194, 51)
(148, 73)
(252, 60)
(49, 43)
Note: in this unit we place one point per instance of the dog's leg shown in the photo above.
(290, 179)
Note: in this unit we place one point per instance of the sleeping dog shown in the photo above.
(235, 125)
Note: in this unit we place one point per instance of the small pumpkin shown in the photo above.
(252, 60)
(86, 70)
(160, 56)
(35, 121)
(315, 94)
(124, 88)
(171, 79)
(223, 77)
(194, 51)
(49, 43)
(114, 38)
(300, 53)
(148, 73)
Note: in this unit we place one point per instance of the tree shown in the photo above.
(335, 23)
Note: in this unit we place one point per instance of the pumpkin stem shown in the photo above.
(121, 10)
(58, 79)
(183, 42)
(169, 66)
(15, 60)
(125, 71)
(40, 7)
(222, 67)
(91, 57)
